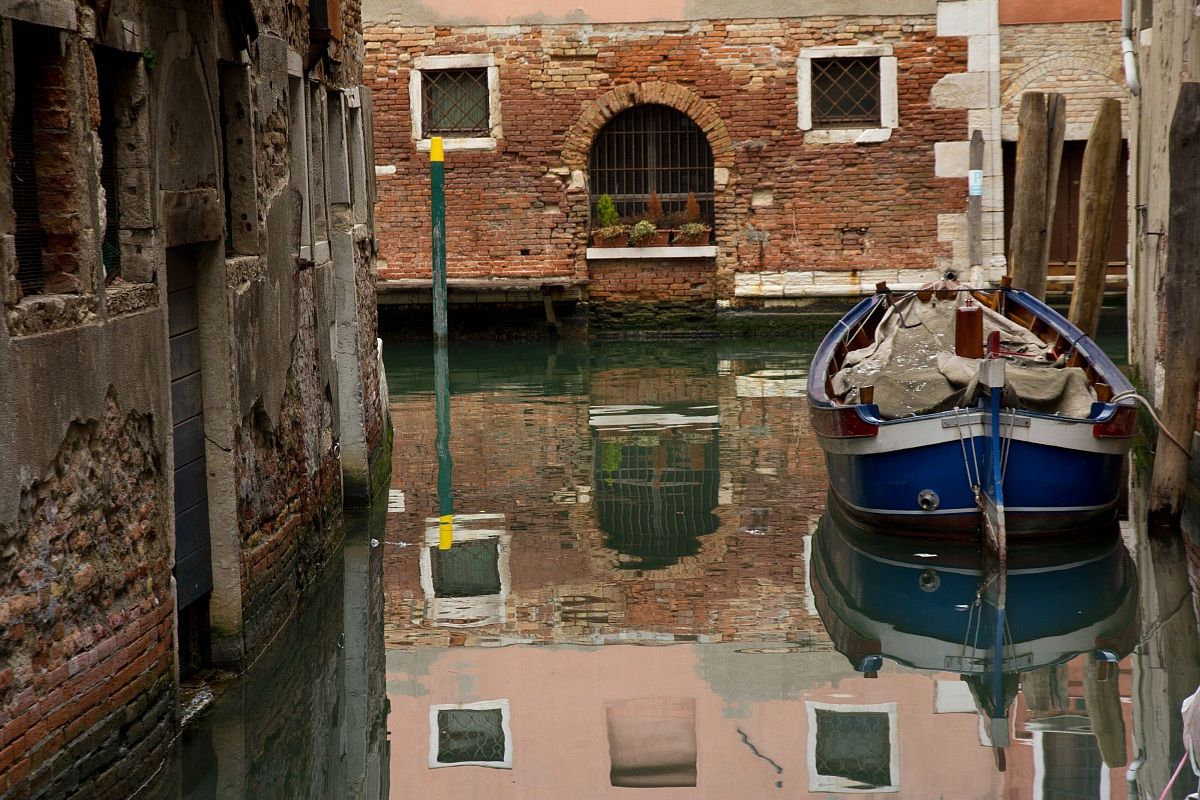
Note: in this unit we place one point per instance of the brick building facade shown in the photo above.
(187, 357)
(800, 207)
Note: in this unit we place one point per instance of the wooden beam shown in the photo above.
(1097, 192)
(975, 202)
(1029, 197)
(1181, 324)
(1056, 131)
(1102, 696)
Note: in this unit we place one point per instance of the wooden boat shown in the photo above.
(919, 434)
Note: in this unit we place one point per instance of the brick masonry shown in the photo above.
(1080, 60)
(781, 203)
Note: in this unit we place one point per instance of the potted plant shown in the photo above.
(644, 234)
(654, 215)
(693, 231)
(609, 232)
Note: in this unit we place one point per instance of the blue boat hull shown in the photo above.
(1044, 486)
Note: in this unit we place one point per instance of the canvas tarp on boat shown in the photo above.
(913, 369)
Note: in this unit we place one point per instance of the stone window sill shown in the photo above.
(653, 253)
(46, 313)
(469, 143)
(128, 298)
(848, 136)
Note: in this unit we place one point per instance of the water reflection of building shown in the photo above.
(466, 582)
(1055, 622)
(644, 499)
(656, 474)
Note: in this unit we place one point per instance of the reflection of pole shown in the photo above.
(437, 208)
(441, 392)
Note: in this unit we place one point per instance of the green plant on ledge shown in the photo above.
(642, 232)
(608, 229)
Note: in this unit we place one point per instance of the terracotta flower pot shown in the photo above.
(693, 240)
(616, 240)
(659, 239)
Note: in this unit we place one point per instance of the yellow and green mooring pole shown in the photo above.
(441, 358)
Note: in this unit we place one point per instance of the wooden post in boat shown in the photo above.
(1029, 197)
(1180, 287)
(975, 202)
(1097, 191)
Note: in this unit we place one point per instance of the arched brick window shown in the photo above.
(652, 149)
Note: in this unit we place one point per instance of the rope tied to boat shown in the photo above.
(1130, 393)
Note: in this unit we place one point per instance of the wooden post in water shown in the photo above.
(1029, 197)
(975, 201)
(1056, 131)
(1102, 695)
(1097, 191)
(1181, 337)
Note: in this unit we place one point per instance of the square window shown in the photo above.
(852, 748)
(471, 734)
(455, 102)
(845, 92)
(854, 745)
(456, 97)
(467, 569)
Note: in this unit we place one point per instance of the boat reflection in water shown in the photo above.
(938, 605)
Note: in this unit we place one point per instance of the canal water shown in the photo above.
(620, 573)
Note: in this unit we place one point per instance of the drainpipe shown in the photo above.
(1127, 54)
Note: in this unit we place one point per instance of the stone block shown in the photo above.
(951, 227)
(951, 159)
(960, 90)
(966, 18)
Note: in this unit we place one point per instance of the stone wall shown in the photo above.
(786, 199)
(166, 157)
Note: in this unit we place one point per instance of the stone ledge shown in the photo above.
(651, 253)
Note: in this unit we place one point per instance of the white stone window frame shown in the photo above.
(485, 705)
(423, 64)
(889, 109)
(818, 782)
(479, 610)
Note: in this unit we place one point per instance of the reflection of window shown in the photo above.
(466, 584)
(468, 569)
(652, 743)
(474, 734)
(1066, 759)
(852, 748)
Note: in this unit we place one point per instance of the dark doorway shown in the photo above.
(193, 559)
(1064, 241)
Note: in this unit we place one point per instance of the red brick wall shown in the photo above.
(521, 195)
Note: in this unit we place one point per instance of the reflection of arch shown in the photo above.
(599, 111)
(656, 489)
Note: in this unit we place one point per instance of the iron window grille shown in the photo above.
(454, 103)
(467, 569)
(470, 735)
(110, 248)
(854, 745)
(845, 92)
(652, 149)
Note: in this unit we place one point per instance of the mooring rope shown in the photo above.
(1133, 394)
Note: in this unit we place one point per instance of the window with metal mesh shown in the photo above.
(845, 92)
(470, 734)
(854, 745)
(454, 103)
(652, 149)
(466, 569)
(1072, 765)
(26, 63)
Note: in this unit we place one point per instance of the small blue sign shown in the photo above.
(975, 182)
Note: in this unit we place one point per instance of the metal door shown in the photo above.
(193, 561)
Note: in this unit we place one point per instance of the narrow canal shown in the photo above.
(642, 587)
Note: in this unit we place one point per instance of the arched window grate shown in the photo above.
(652, 149)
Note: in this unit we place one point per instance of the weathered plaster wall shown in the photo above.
(88, 624)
